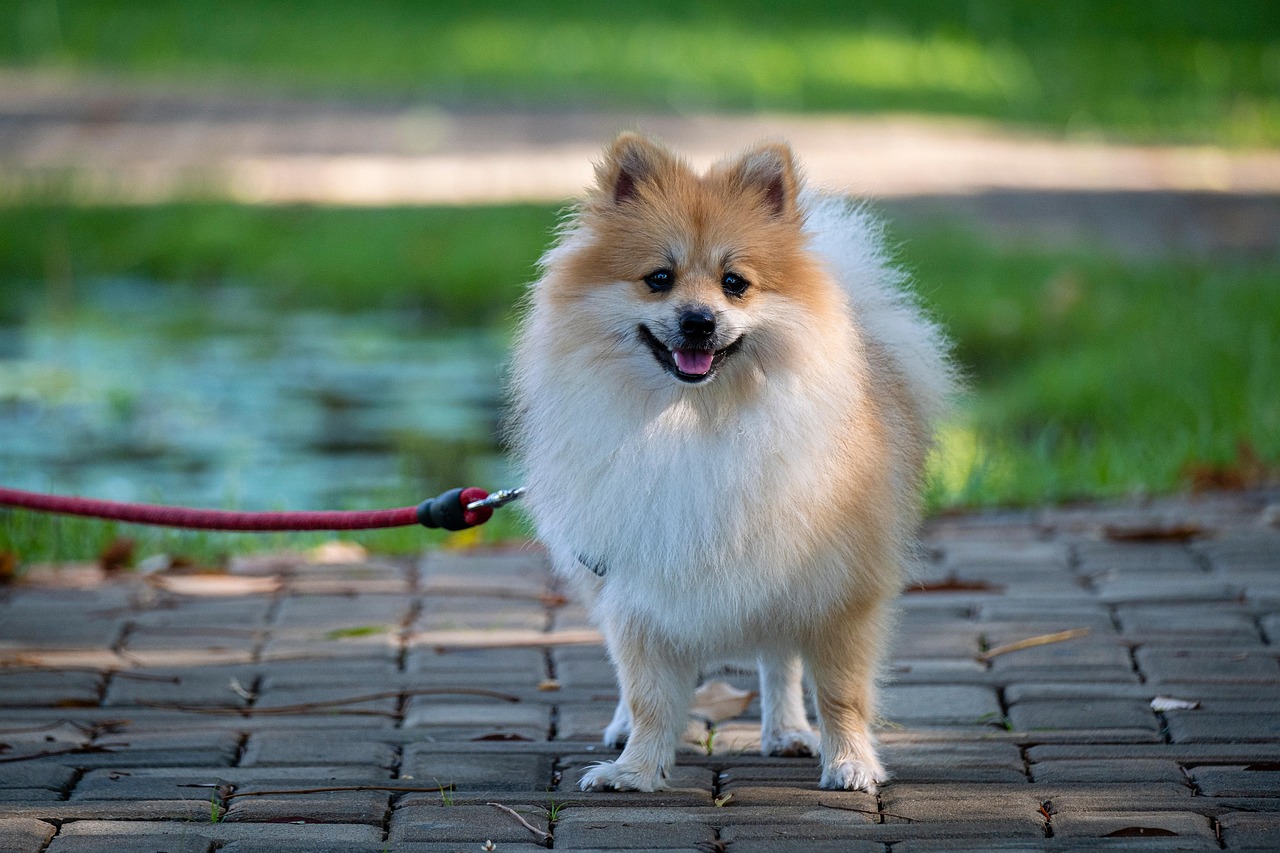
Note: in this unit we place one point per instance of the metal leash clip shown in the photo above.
(502, 497)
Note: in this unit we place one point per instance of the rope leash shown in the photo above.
(456, 509)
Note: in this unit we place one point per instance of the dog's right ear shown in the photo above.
(630, 161)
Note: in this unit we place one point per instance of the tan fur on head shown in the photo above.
(764, 507)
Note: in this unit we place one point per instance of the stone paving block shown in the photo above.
(383, 646)
(211, 685)
(194, 748)
(380, 847)
(270, 749)
(324, 613)
(192, 783)
(118, 835)
(803, 793)
(38, 619)
(49, 687)
(627, 826)
(1085, 658)
(330, 700)
(1194, 619)
(1088, 714)
(1034, 556)
(239, 611)
(1189, 589)
(930, 642)
(589, 671)
(157, 810)
(1029, 613)
(1242, 830)
(144, 640)
(1117, 796)
(1122, 824)
(22, 834)
(189, 841)
(939, 704)
(1241, 781)
(502, 575)
(1136, 558)
(471, 771)
(35, 774)
(473, 824)
(1095, 770)
(1203, 727)
(479, 613)
(1033, 691)
(962, 803)
(369, 807)
(810, 840)
(29, 795)
(1208, 665)
(491, 662)
(369, 676)
(584, 721)
(492, 716)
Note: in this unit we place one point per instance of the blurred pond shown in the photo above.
(138, 391)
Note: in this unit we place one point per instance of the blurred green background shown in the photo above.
(1180, 69)
(1094, 373)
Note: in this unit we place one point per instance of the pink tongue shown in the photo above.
(694, 362)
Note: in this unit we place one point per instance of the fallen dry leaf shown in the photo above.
(338, 551)
(1032, 642)
(8, 566)
(215, 585)
(715, 701)
(953, 584)
(117, 555)
(1168, 703)
(1153, 532)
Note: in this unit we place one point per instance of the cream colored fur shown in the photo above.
(768, 512)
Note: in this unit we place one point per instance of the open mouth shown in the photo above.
(692, 364)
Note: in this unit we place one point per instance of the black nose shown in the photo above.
(698, 323)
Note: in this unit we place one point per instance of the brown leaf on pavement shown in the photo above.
(715, 701)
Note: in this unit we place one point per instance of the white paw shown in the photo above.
(616, 734)
(850, 775)
(613, 776)
(790, 743)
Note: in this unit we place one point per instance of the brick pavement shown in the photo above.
(158, 714)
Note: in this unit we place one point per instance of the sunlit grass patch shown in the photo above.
(1186, 70)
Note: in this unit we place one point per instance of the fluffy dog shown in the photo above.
(722, 398)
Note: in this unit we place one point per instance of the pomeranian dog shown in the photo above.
(722, 398)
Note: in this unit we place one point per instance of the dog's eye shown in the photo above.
(734, 284)
(660, 280)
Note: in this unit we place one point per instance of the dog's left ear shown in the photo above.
(771, 171)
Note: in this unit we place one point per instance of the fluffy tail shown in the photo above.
(851, 241)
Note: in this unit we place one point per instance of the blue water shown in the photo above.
(138, 391)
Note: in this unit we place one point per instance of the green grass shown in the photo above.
(1091, 376)
(1182, 69)
(467, 264)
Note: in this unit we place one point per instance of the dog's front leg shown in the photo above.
(657, 687)
(843, 662)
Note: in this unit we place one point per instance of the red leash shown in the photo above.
(456, 509)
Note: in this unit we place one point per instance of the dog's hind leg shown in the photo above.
(784, 728)
(619, 729)
(842, 663)
(657, 686)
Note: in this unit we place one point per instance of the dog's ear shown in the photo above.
(770, 170)
(630, 161)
